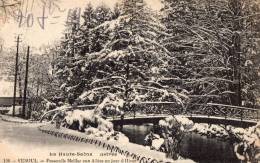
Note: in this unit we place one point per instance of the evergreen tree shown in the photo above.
(133, 64)
(190, 41)
(80, 40)
(66, 71)
(89, 22)
(203, 36)
(103, 14)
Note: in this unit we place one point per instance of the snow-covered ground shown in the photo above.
(122, 144)
(26, 141)
(210, 130)
(104, 131)
(9, 118)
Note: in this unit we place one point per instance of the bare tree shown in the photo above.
(8, 9)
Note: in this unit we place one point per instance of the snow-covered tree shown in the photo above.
(89, 22)
(133, 63)
(69, 49)
(205, 49)
(93, 36)
(203, 38)
(190, 44)
(244, 25)
(235, 25)
(80, 40)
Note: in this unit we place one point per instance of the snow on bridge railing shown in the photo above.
(172, 108)
(209, 109)
(227, 111)
(232, 106)
(154, 107)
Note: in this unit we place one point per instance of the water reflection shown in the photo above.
(136, 133)
(203, 149)
(194, 146)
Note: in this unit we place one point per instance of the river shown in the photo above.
(193, 146)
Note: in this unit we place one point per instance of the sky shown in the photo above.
(30, 21)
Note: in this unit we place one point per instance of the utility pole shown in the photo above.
(15, 75)
(26, 80)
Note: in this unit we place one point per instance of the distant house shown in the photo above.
(6, 94)
(8, 101)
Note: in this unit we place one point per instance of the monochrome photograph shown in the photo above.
(129, 81)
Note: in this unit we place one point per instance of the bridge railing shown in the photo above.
(227, 111)
(209, 109)
(154, 108)
(172, 108)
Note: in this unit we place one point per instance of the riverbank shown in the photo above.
(126, 150)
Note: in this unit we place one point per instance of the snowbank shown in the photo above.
(210, 130)
(130, 150)
(247, 139)
(178, 120)
(18, 110)
(14, 119)
(93, 124)
(79, 116)
(185, 122)
(157, 143)
(249, 135)
(106, 136)
(249, 145)
(172, 129)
